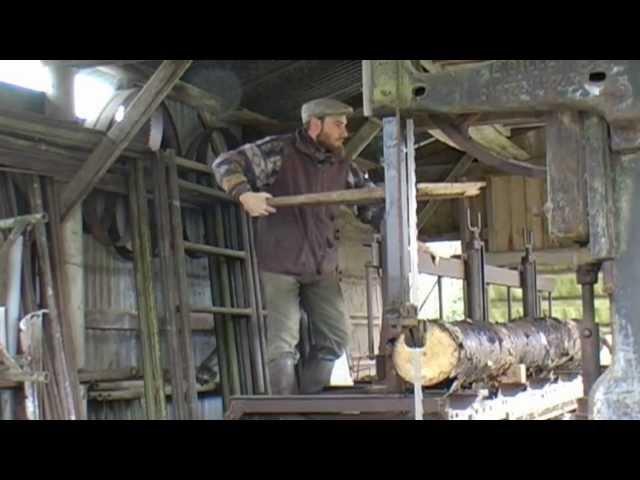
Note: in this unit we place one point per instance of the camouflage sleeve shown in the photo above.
(369, 214)
(249, 167)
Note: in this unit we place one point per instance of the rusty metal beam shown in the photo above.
(604, 86)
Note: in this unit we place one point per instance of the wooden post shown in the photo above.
(150, 334)
(168, 285)
(61, 106)
(184, 320)
(63, 356)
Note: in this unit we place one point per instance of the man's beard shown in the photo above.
(325, 143)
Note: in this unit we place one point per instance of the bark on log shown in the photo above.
(471, 352)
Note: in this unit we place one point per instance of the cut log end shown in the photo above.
(439, 357)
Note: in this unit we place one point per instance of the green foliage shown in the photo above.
(567, 303)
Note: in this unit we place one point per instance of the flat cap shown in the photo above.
(323, 107)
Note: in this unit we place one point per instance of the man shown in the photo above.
(296, 247)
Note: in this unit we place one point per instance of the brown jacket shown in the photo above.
(297, 241)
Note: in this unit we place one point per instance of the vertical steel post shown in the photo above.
(587, 277)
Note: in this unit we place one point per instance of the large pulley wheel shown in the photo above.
(106, 215)
(204, 148)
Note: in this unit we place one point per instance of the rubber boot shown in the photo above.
(316, 372)
(282, 373)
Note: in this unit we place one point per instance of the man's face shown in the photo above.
(333, 133)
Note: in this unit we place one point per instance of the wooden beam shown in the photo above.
(454, 268)
(464, 142)
(507, 119)
(366, 164)
(362, 138)
(427, 212)
(495, 138)
(566, 257)
(121, 134)
(45, 131)
(89, 63)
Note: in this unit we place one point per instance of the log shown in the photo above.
(424, 191)
(468, 352)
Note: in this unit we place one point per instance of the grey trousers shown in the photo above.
(323, 303)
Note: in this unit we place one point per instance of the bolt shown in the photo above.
(587, 333)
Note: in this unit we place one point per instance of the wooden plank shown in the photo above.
(50, 132)
(454, 268)
(119, 136)
(518, 213)
(63, 168)
(438, 191)
(491, 137)
(516, 375)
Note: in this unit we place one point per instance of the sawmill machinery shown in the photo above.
(590, 112)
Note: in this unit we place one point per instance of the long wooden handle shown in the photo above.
(424, 191)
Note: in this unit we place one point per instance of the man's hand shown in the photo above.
(255, 204)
